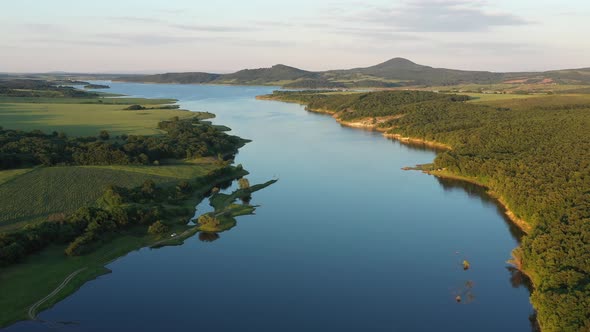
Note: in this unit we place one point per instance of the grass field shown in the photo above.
(544, 101)
(99, 101)
(32, 196)
(84, 119)
(485, 97)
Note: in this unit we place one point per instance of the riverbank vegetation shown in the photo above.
(96, 86)
(533, 153)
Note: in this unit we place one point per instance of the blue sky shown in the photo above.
(223, 35)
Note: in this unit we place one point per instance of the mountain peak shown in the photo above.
(281, 66)
(400, 61)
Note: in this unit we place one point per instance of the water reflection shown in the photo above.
(476, 191)
(464, 294)
(517, 278)
(208, 237)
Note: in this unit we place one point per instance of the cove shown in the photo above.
(345, 241)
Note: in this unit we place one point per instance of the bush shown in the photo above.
(104, 135)
(158, 228)
(134, 108)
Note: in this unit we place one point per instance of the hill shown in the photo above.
(266, 76)
(406, 70)
(180, 78)
(396, 72)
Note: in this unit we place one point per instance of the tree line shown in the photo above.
(187, 138)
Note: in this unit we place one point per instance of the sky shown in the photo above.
(146, 36)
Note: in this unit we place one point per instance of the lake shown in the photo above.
(345, 241)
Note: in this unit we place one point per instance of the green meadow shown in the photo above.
(77, 118)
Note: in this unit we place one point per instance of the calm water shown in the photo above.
(345, 241)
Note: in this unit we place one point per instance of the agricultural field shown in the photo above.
(77, 118)
(33, 195)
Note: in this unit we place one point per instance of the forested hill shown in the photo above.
(276, 75)
(181, 78)
(406, 70)
(392, 73)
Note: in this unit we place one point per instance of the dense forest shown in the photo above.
(534, 153)
(186, 138)
(351, 106)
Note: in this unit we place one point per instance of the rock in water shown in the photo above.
(466, 265)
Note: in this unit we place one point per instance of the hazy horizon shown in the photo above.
(180, 35)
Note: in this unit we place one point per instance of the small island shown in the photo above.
(96, 86)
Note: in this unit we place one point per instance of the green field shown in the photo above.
(32, 196)
(98, 100)
(10, 174)
(79, 119)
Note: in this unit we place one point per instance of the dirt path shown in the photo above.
(33, 309)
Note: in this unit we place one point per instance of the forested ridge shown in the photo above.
(534, 153)
(391, 73)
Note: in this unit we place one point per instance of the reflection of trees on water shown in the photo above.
(246, 200)
(475, 191)
(208, 237)
(519, 279)
(464, 294)
(534, 324)
(225, 185)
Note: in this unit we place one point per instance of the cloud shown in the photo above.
(439, 16)
(211, 28)
(134, 19)
(42, 28)
(380, 34)
(492, 48)
(147, 39)
(155, 40)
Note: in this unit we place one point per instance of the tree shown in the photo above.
(243, 183)
(158, 228)
(208, 220)
(148, 189)
(104, 135)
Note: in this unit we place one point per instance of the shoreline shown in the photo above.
(519, 222)
(522, 224)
